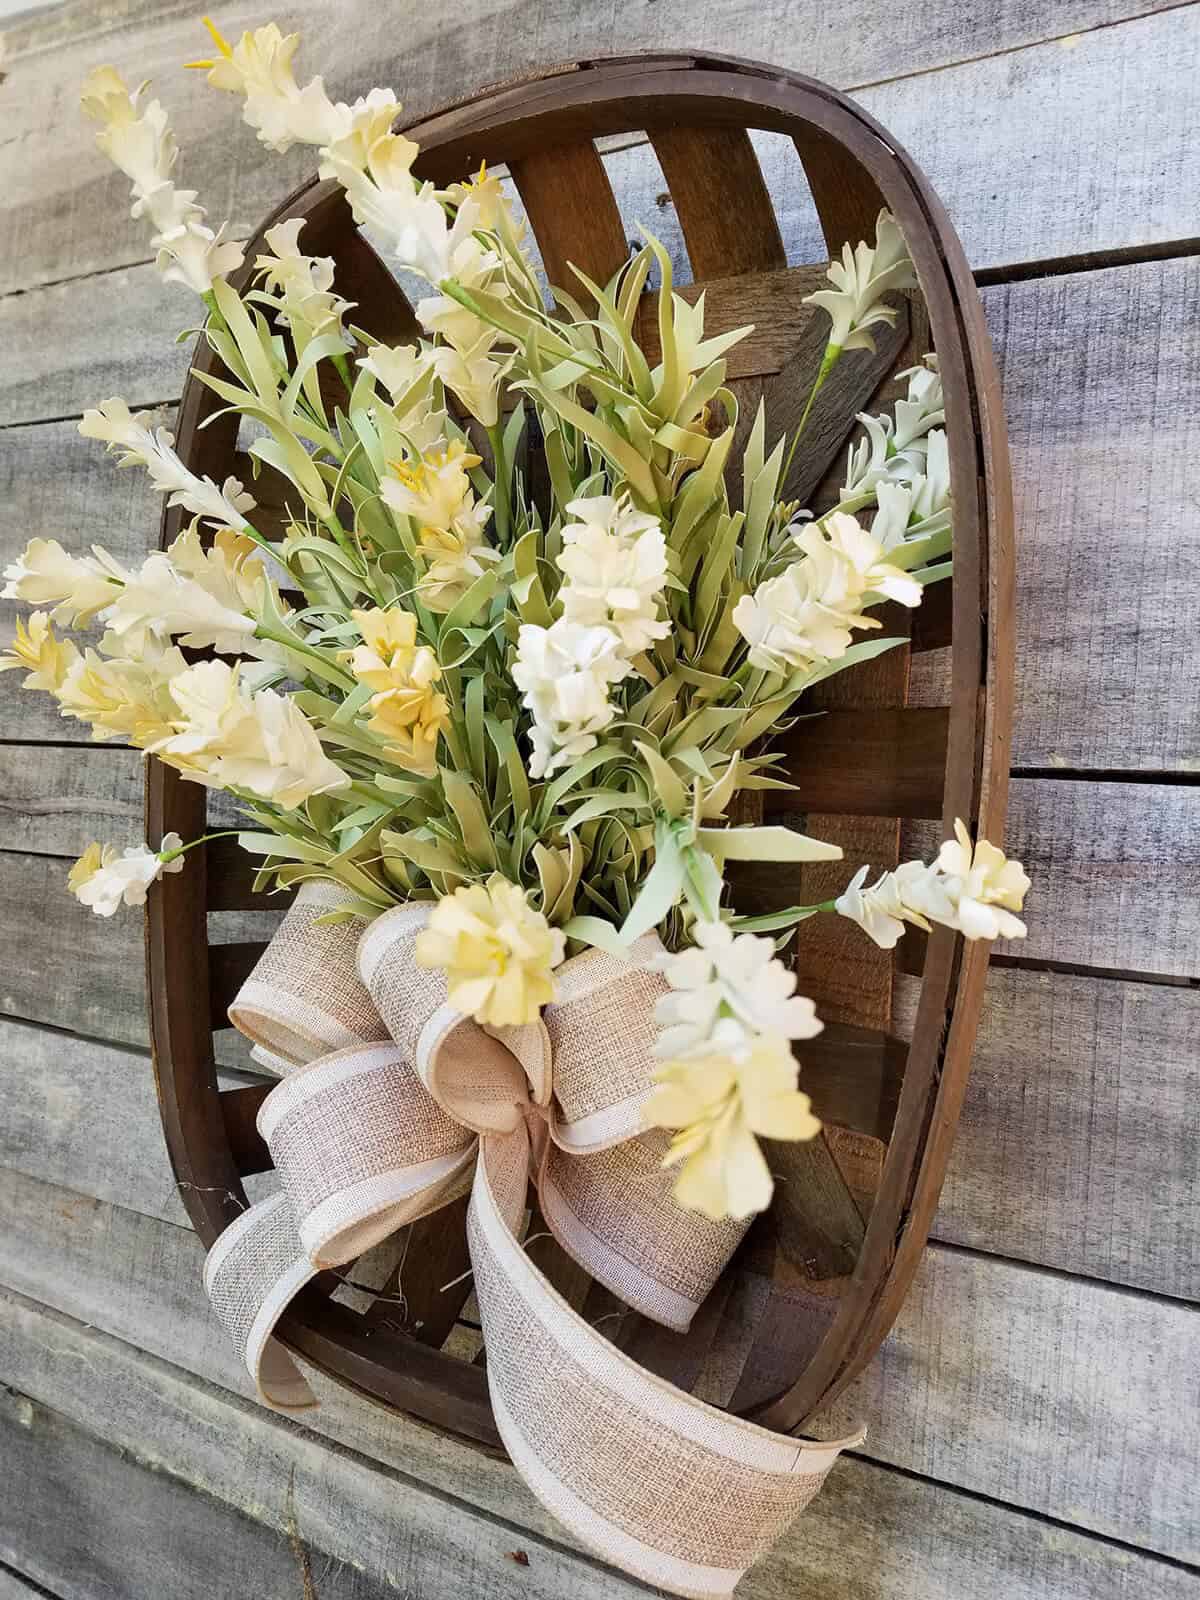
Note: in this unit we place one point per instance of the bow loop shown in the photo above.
(415, 1105)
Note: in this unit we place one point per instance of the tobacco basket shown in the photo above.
(819, 1280)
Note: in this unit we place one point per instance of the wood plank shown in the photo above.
(919, 1540)
(54, 801)
(180, 1489)
(1046, 100)
(1116, 872)
(1064, 1387)
(888, 763)
(14, 1587)
(1079, 1143)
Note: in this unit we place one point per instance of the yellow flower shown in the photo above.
(406, 709)
(498, 953)
(46, 658)
(435, 491)
(124, 697)
(984, 886)
(718, 1103)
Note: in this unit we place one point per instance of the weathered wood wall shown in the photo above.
(1034, 1414)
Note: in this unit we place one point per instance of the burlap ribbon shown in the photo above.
(392, 1104)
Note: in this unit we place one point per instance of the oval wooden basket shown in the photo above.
(821, 1277)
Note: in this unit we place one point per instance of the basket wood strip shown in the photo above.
(696, 110)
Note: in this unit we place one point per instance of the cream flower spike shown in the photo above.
(302, 284)
(143, 148)
(497, 952)
(37, 651)
(78, 587)
(259, 67)
(983, 885)
(130, 436)
(860, 280)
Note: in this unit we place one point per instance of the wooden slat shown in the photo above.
(230, 876)
(239, 1109)
(886, 763)
(229, 965)
(571, 209)
(919, 1540)
(722, 203)
(1061, 1384)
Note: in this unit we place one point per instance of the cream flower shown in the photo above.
(725, 990)
(406, 709)
(260, 743)
(104, 879)
(910, 894)
(365, 143)
(303, 284)
(121, 697)
(77, 586)
(497, 952)
(486, 190)
(896, 448)
(860, 280)
(144, 148)
(400, 368)
(44, 657)
(206, 598)
(130, 436)
(804, 616)
(615, 562)
(719, 1103)
(475, 378)
(259, 67)
(983, 885)
(436, 494)
(564, 672)
(472, 266)
(917, 503)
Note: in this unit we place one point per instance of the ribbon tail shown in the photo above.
(252, 1274)
(671, 1490)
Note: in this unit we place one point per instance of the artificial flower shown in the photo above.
(130, 436)
(472, 266)
(406, 710)
(564, 672)
(615, 562)
(497, 952)
(206, 606)
(124, 697)
(105, 879)
(260, 743)
(435, 492)
(860, 279)
(366, 143)
(983, 885)
(474, 378)
(718, 1103)
(44, 657)
(487, 191)
(77, 586)
(804, 616)
(725, 989)
(302, 284)
(259, 67)
(896, 448)
(909, 894)
(917, 503)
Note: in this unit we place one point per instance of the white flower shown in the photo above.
(104, 879)
(208, 598)
(804, 616)
(487, 191)
(919, 505)
(615, 562)
(77, 586)
(896, 448)
(472, 266)
(911, 893)
(409, 217)
(303, 283)
(131, 434)
(259, 67)
(363, 142)
(984, 887)
(261, 743)
(860, 279)
(923, 408)
(564, 673)
(474, 377)
(400, 368)
(724, 991)
(144, 148)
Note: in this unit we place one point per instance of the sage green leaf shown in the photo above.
(765, 844)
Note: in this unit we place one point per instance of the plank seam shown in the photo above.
(30, 1583)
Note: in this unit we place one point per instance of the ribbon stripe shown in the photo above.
(416, 1105)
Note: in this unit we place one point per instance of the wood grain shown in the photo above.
(1068, 1435)
(918, 1540)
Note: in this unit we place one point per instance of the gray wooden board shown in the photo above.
(1055, 1394)
(178, 1488)
(1031, 110)
(14, 1587)
(1100, 388)
(871, 1535)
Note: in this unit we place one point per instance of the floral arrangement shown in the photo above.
(533, 710)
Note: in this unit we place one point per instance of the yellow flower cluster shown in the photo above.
(435, 493)
(406, 709)
(497, 952)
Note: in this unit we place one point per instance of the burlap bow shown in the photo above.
(392, 1103)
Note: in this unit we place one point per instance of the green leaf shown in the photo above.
(663, 780)
(464, 801)
(598, 933)
(661, 890)
(773, 921)
(765, 844)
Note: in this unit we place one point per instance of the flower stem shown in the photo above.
(173, 855)
(828, 362)
(503, 506)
